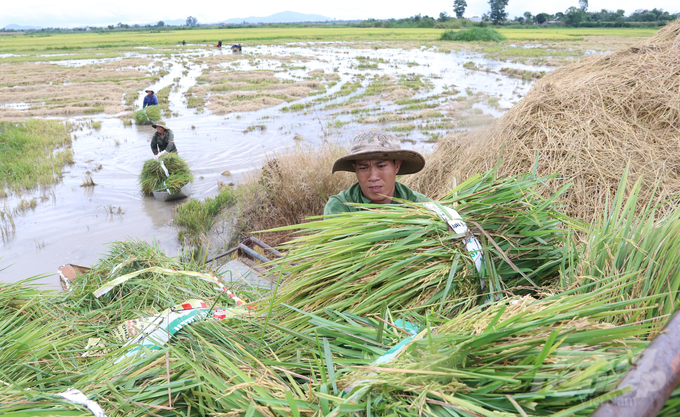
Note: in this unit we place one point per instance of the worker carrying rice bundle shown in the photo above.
(150, 99)
(163, 141)
(376, 157)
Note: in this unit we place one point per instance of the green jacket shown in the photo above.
(336, 204)
(163, 143)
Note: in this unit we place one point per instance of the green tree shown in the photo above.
(573, 16)
(459, 8)
(497, 14)
(528, 18)
(443, 17)
(542, 18)
(583, 5)
(160, 24)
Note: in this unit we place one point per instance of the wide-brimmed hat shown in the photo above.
(148, 89)
(378, 144)
(161, 124)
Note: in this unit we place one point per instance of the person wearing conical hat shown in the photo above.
(163, 141)
(376, 158)
(150, 99)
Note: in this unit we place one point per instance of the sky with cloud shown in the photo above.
(73, 13)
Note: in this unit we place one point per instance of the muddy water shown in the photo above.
(74, 224)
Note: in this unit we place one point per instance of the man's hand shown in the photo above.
(155, 156)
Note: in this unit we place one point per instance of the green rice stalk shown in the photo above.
(528, 354)
(475, 34)
(147, 114)
(638, 245)
(175, 182)
(402, 255)
(545, 356)
(153, 177)
(199, 216)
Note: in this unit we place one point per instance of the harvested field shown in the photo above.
(59, 90)
(242, 109)
(586, 121)
(229, 91)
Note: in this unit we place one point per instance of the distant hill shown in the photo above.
(19, 27)
(283, 17)
(175, 22)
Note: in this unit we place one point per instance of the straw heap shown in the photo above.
(585, 121)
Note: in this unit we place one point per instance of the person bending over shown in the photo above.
(163, 141)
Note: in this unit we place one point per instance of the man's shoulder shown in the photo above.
(410, 195)
(336, 203)
(347, 196)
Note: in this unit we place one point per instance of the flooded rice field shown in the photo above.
(228, 112)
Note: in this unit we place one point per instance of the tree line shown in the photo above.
(573, 16)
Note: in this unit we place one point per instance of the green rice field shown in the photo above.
(60, 43)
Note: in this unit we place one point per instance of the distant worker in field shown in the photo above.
(236, 47)
(150, 99)
(184, 42)
(376, 157)
(163, 141)
(219, 43)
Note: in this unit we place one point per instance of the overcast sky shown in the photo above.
(72, 13)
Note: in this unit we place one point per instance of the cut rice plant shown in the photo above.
(32, 153)
(561, 355)
(639, 245)
(520, 356)
(198, 217)
(147, 114)
(153, 176)
(475, 34)
(402, 255)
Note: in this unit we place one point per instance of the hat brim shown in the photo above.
(155, 126)
(146, 91)
(412, 161)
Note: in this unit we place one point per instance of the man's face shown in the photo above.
(150, 93)
(376, 179)
(160, 130)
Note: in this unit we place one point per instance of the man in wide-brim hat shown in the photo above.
(376, 157)
(150, 98)
(163, 141)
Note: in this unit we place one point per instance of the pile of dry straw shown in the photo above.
(586, 121)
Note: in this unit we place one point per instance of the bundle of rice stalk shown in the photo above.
(585, 121)
(144, 295)
(196, 378)
(640, 245)
(403, 256)
(520, 356)
(147, 114)
(153, 177)
(29, 333)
